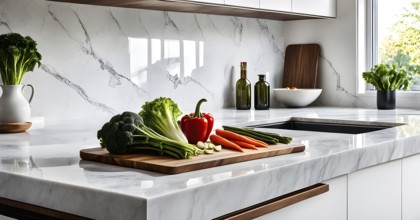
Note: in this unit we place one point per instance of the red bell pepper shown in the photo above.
(197, 126)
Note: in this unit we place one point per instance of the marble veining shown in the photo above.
(44, 162)
(106, 59)
(79, 90)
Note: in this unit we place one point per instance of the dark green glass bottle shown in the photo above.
(243, 90)
(262, 94)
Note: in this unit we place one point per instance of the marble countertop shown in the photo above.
(42, 166)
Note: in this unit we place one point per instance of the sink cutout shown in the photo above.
(330, 125)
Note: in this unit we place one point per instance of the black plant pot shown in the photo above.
(385, 99)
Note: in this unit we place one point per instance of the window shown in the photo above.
(387, 30)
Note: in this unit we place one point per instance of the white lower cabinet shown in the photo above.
(411, 188)
(331, 205)
(389, 191)
(375, 192)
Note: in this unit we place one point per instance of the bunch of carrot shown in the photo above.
(229, 139)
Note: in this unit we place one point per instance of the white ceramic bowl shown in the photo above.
(296, 97)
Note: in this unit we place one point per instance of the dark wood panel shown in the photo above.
(277, 203)
(21, 210)
(196, 7)
(170, 165)
(301, 66)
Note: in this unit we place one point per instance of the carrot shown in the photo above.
(216, 139)
(244, 144)
(234, 136)
(262, 143)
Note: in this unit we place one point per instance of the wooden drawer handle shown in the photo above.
(277, 203)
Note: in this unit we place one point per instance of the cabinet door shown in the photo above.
(331, 205)
(276, 5)
(315, 7)
(244, 3)
(375, 192)
(209, 1)
(411, 188)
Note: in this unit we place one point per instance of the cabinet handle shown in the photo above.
(276, 203)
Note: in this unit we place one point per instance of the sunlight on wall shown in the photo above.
(180, 57)
(138, 49)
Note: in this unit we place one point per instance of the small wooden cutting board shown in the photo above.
(169, 165)
(301, 66)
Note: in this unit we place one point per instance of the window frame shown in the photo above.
(367, 46)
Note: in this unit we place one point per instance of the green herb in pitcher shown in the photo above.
(18, 55)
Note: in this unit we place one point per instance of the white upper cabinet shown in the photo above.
(209, 1)
(276, 5)
(315, 7)
(244, 3)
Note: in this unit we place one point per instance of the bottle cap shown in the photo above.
(243, 65)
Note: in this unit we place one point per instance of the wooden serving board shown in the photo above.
(169, 165)
(301, 66)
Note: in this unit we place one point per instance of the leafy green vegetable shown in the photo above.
(394, 74)
(126, 133)
(18, 55)
(161, 115)
(388, 77)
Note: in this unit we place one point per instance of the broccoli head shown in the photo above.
(117, 134)
(126, 133)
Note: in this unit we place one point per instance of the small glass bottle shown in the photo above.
(243, 90)
(262, 94)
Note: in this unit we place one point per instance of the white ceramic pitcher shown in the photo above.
(14, 108)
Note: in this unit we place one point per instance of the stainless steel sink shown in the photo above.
(329, 125)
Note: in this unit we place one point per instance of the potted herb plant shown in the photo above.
(18, 55)
(396, 73)
(387, 78)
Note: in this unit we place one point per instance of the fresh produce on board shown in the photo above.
(197, 126)
(155, 130)
(127, 133)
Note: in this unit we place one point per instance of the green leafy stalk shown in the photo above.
(161, 115)
(18, 55)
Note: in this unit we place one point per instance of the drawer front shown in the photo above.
(275, 204)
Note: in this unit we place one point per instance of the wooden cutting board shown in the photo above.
(301, 65)
(168, 165)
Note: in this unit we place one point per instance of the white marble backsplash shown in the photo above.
(98, 61)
